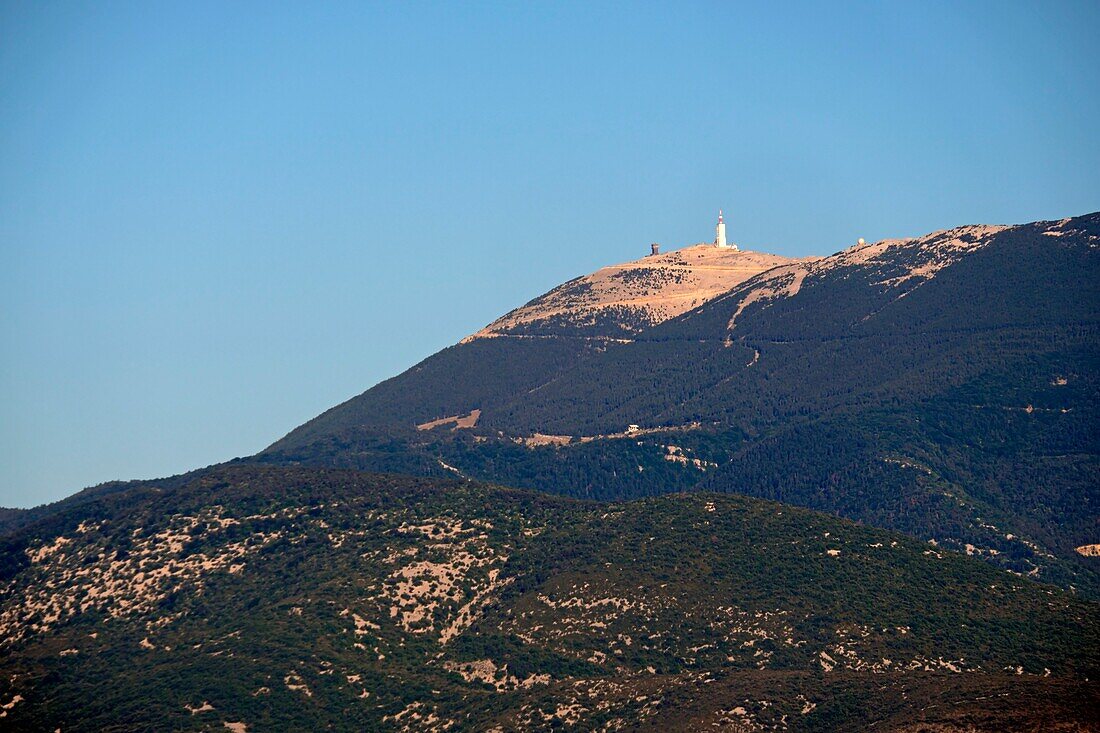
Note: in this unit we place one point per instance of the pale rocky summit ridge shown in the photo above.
(637, 294)
(923, 256)
(648, 291)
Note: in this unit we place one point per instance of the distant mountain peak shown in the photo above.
(619, 300)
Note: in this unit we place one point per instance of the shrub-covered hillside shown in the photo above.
(263, 598)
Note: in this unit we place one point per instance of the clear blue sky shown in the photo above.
(219, 219)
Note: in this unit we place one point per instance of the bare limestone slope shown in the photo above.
(636, 295)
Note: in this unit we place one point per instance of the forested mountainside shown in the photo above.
(944, 386)
(532, 344)
(11, 518)
(285, 598)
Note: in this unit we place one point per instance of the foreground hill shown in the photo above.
(944, 386)
(269, 598)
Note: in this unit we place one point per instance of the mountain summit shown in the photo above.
(620, 300)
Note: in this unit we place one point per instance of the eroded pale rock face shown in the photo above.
(74, 577)
(457, 422)
(676, 454)
(5, 707)
(927, 255)
(418, 716)
(636, 294)
(487, 672)
(441, 586)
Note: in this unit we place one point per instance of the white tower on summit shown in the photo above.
(720, 234)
